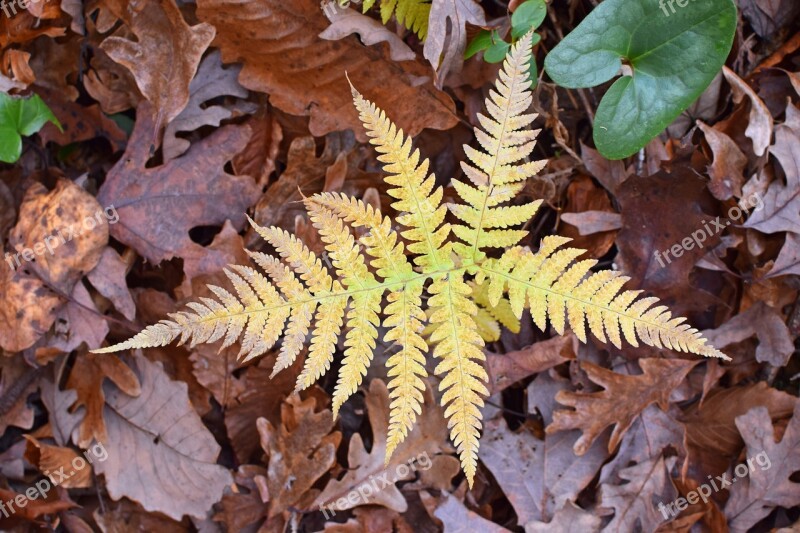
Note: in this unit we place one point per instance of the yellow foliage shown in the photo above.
(469, 294)
(413, 14)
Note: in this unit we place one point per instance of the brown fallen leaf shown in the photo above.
(78, 322)
(159, 452)
(447, 34)
(262, 397)
(108, 277)
(712, 440)
(126, 516)
(769, 481)
(583, 197)
(48, 458)
(86, 378)
(775, 342)
(158, 206)
(246, 505)
(456, 518)
(634, 501)
(788, 261)
(729, 164)
(348, 21)
(537, 476)
(79, 123)
(426, 439)
(17, 382)
(164, 58)
(258, 157)
(301, 450)
(272, 38)
(211, 81)
(508, 368)
(759, 130)
(27, 309)
(60, 234)
(569, 519)
(782, 202)
(623, 399)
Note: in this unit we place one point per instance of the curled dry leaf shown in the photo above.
(447, 34)
(273, 39)
(760, 128)
(623, 399)
(348, 21)
(729, 163)
(48, 458)
(164, 58)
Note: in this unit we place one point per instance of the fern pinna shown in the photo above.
(466, 288)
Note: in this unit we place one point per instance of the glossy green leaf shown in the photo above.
(674, 48)
(497, 51)
(528, 16)
(20, 116)
(482, 41)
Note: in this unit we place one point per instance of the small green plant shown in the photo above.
(21, 116)
(667, 58)
(527, 17)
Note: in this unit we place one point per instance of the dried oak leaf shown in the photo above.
(538, 477)
(301, 450)
(159, 452)
(211, 81)
(283, 56)
(126, 516)
(782, 202)
(765, 486)
(428, 437)
(86, 378)
(623, 399)
(594, 230)
(258, 157)
(48, 458)
(17, 382)
(788, 261)
(158, 206)
(65, 228)
(164, 58)
(635, 500)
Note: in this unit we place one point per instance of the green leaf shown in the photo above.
(674, 53)
(482, 41)
(21, 116)
(528, 15)
(497, 51)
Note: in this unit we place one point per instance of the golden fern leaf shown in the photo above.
(302, 297)
(413, 14)
(505, 139)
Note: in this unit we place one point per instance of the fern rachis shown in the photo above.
(305, 297)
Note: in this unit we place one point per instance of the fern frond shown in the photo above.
(504, 139)
(460, 347)
(553, 283)
(417, 200)
(303, 296)
(413, 14)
